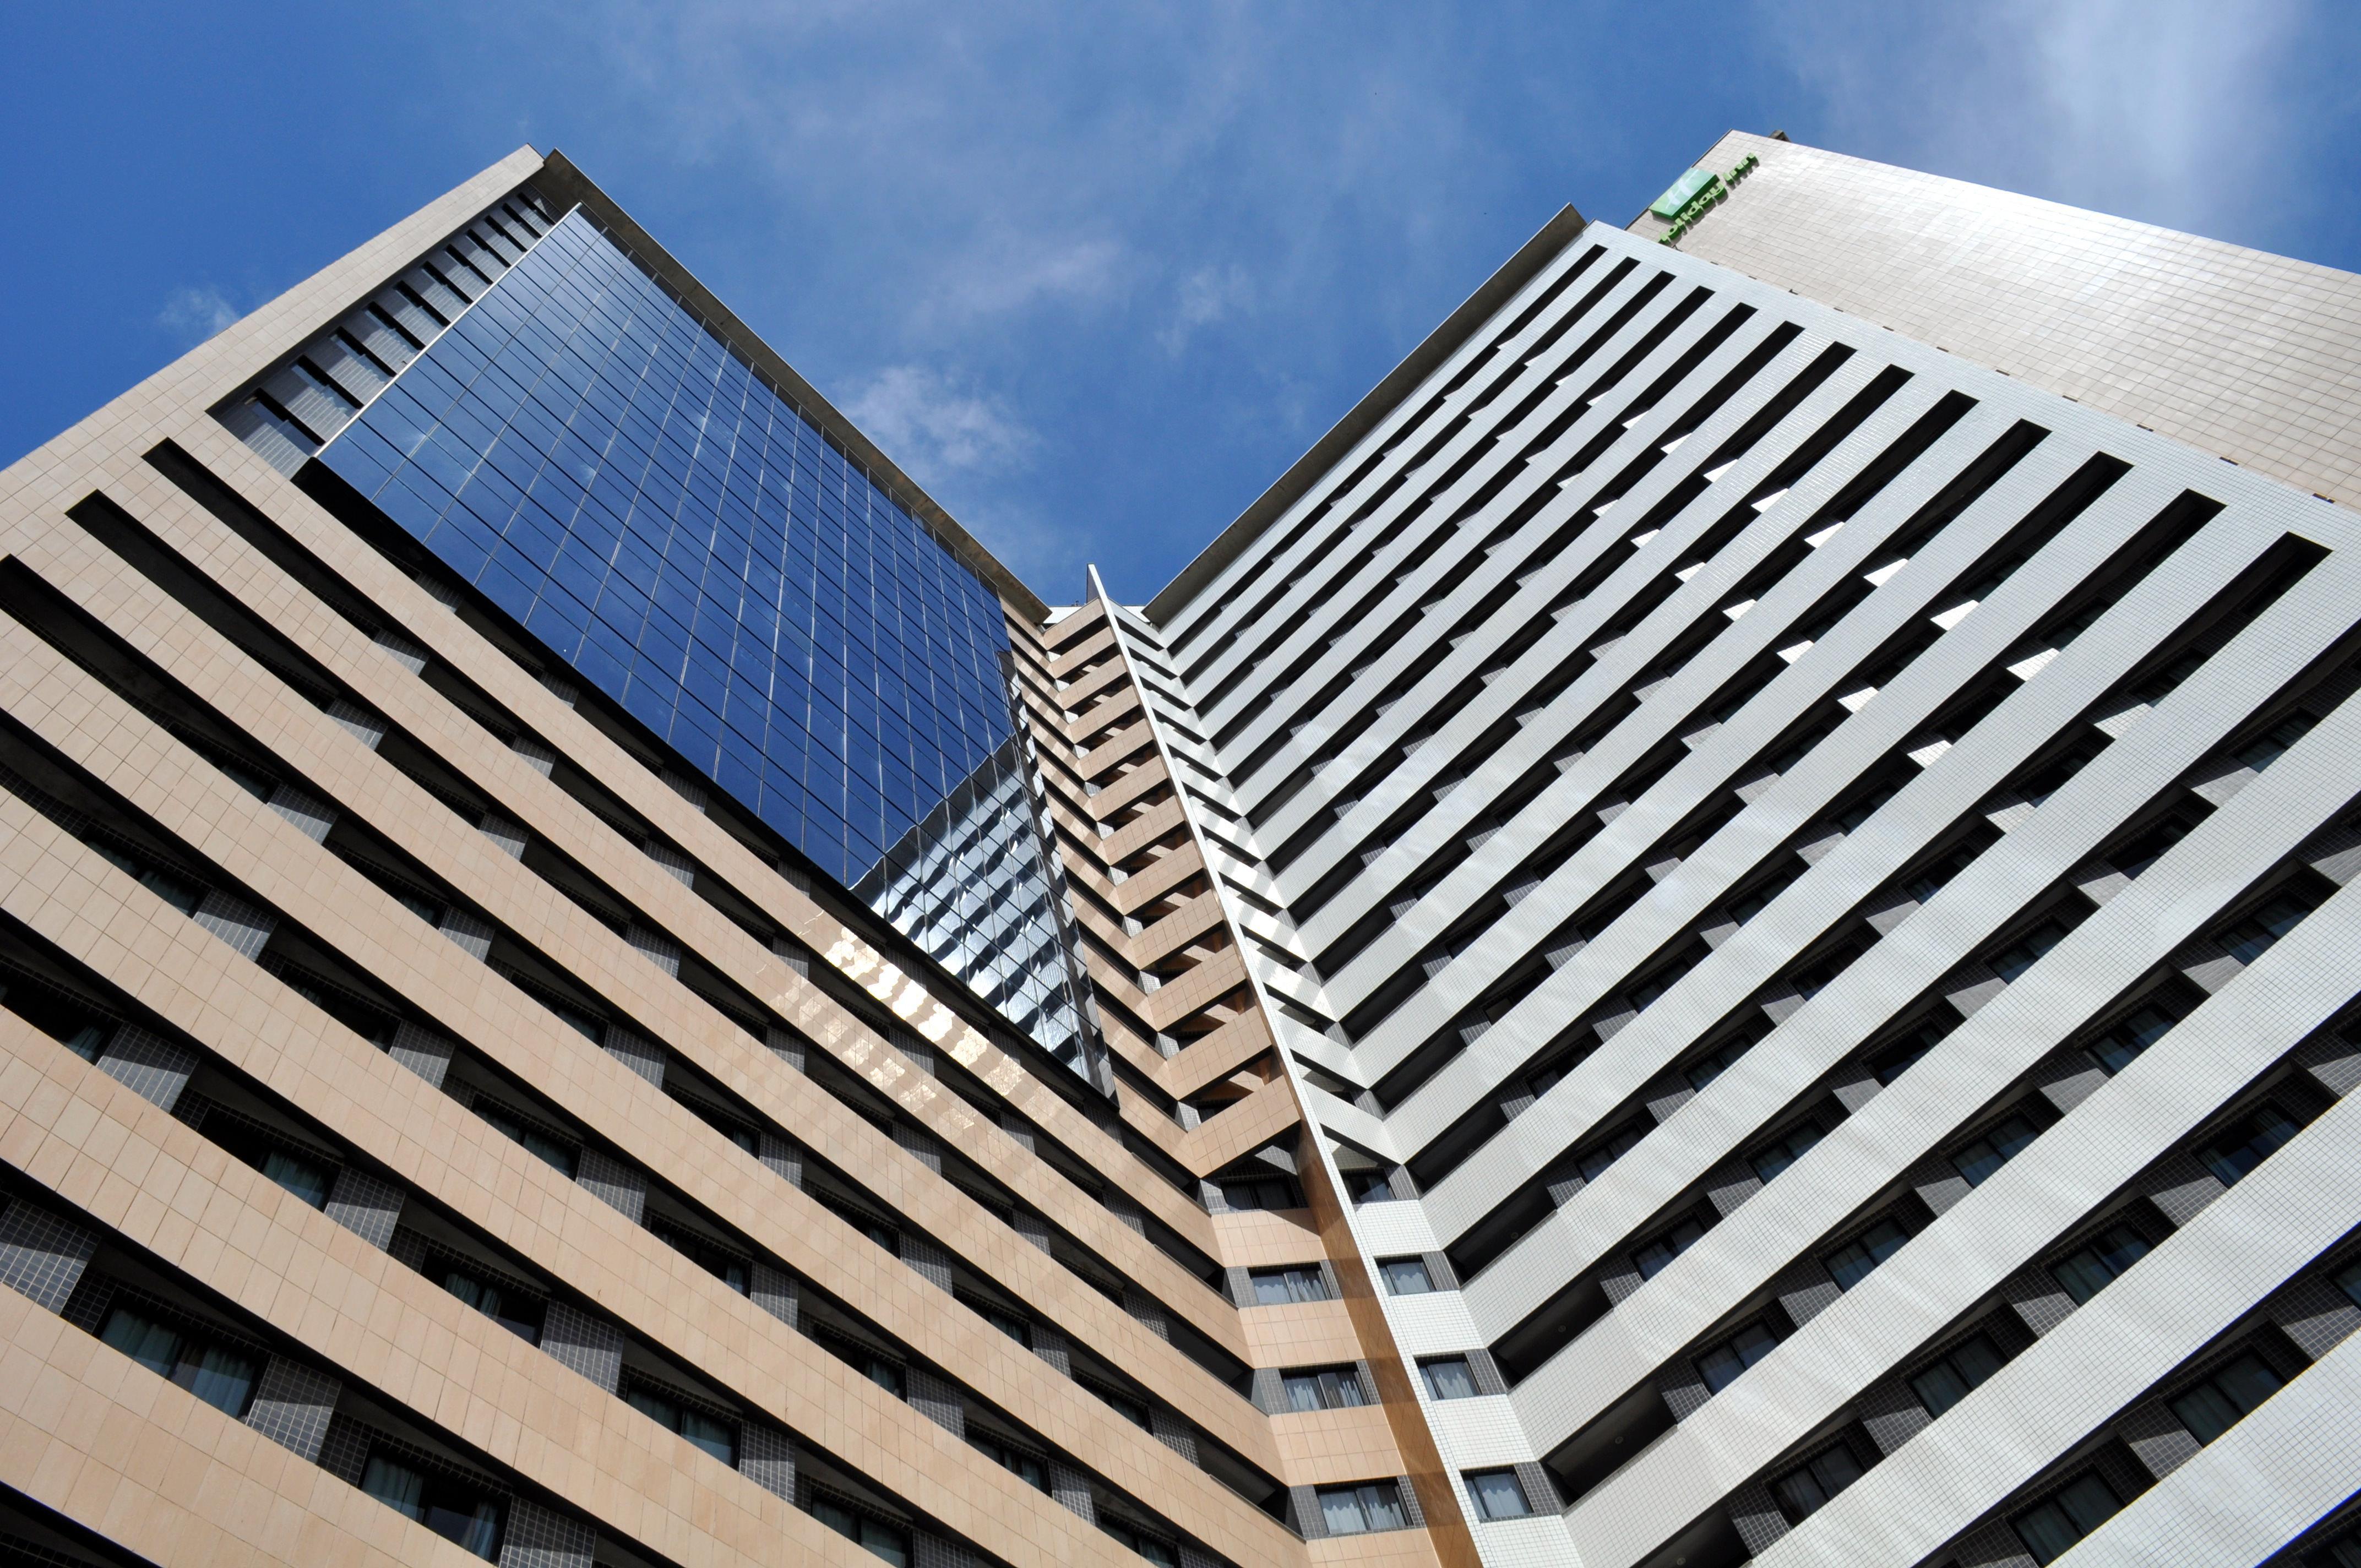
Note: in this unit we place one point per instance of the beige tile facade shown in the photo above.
(2238, 353)
(1093, 1225)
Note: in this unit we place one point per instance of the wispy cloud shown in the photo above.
(936, 427)
(1208, 295)
(194, 314)
(2166, 110)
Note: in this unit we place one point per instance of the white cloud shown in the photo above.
(935, 427)
(192, 315)
(1207, 295)
(2166, 110)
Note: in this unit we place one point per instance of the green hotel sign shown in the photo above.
(1693, 194)
(1683, 191)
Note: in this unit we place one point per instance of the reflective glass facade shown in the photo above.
(584, 450)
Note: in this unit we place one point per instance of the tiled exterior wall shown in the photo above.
(239, 602)
(1682, 697)
(1508, 891)
(2239, 353)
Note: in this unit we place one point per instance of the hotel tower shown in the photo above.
(1718, 931)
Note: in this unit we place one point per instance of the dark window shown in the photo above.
(2022, 954)
(535, 1141)
(1323, 1389)
(2238, 1149)
(1996, 1148)
(1851, 1263)
(877, 1231)
(221, 1377)
(1000, 1318)
(2268, 746)
(727, 1266)
(63, 1017)
(1449, 1378)
(880, 1369)
(889, 1541)
(716, 1436)
(1027, 1467)
(178, 891)
(1956, 1374)
(1720, 1366)
(1498, 1495)
(1159, 1553)
(1262, 1193)
(519, 1315)
(1804, 1490)
(2122, 1045)
(1279, 1287)
(1784, 1151)
(2219, 1402)
(450, 1507)
(307, 1178)
(1130, 1409)
(1406, 1276)
(1356, 1511)
(2348, 1279)
(2092, 1268)
(1897, 1058)
(2050, 1529)
(2252, 937)
(1374, 1185)
(1592, 1163)
(1656, 1256)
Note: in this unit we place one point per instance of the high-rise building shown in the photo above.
(1716, 930)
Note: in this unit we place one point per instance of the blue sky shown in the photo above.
(1094, 274)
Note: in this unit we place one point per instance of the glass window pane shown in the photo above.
(149, 1344)
(1499, 1494)
(1450, 1380)
(2206, 1411)
(301, 1177)
(222, 1378)
(396, 1486)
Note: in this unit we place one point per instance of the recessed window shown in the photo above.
(1358, 1509)
(1956, 1374)
(519, 1314)
(1280, 1287)
(2348, 1279)
(2050, 1529)
(1653, 1258)
(1899, 1057)
(451, 1508)
(2230, 1395)
(1853, 1262)
(1449, 1377)
(882, 1370)
(219, 1376)
(2246, 1144)
(2252, 937)
(1498, 1495)
(1027, 1467)
(1158, 1553)
(2025, 951)
(2089, 1269)
(1323, 1389)
(1007, 1321)
(1406, 1276)
(535, 1142)
(1249, 1192)
(714, 1436)
(2122, 1045)
(889, 1541)
(1784, 1151)
(1720, 1366)
(1374, 1185)
(1806, 1490)
(1996, 1148)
